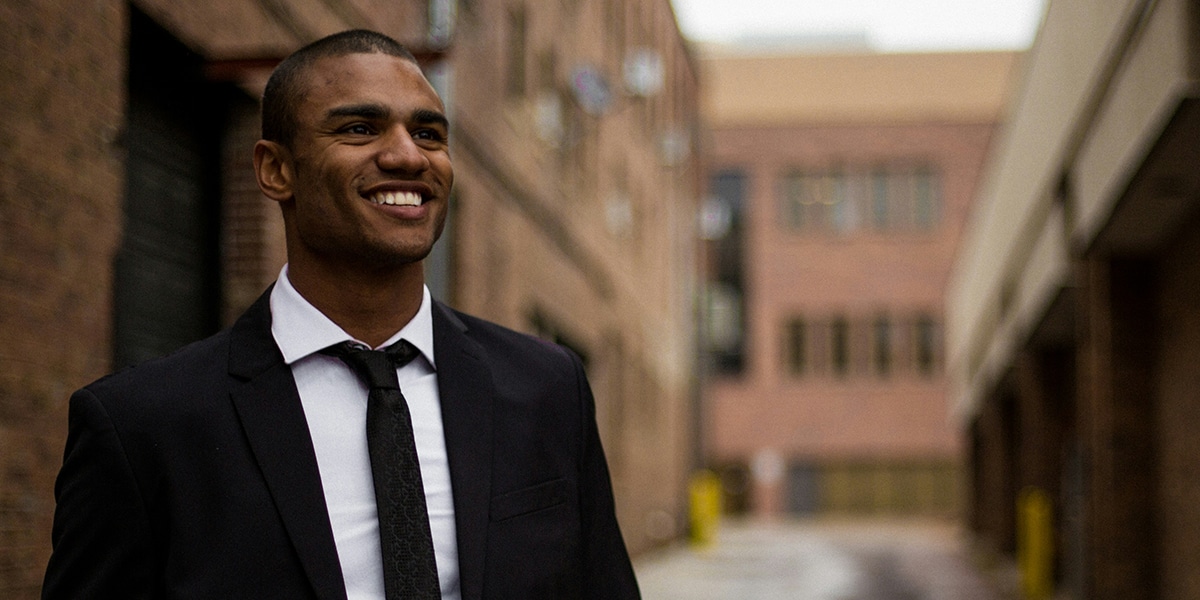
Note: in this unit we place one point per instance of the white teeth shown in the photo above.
(397, 198)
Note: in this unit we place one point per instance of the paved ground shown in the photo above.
(819, 560)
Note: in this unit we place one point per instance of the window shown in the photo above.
(879, 196)
(882, 346)
(793, 200)
(925, 200)
(890, 199)
(515, 83)
(615, 20)
(839, 342)
(899, 199)
(857, 346)
(926, 345)
(817, 201)
(726, 317)
(842, 213)
(796, 338)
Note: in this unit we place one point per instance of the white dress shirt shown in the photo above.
(335, 406)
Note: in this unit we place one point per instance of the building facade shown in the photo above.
(1074, 308)
(577, 185)
(130, 222)
(839, 184)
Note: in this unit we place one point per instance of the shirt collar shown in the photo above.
(300, 329)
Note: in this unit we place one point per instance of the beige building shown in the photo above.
(1073, 315)
(577, 187)
(130, 222)
(839, 184)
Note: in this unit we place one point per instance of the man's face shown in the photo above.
(371, 166)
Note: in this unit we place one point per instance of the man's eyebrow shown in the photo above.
(365, 111)
(426, 116)
(370, 111)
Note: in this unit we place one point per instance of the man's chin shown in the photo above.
(389, 258)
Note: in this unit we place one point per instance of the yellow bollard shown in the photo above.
(704, 514)
(1035, 543)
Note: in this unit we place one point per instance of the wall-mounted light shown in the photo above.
(643, 72)
(591, 89)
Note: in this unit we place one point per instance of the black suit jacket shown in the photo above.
(194, 475)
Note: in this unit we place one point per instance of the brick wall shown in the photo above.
(994, 501)
(571, 224)
(252, 243)
(861, 274)
(61, 173)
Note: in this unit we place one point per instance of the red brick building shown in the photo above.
(130, 223)
(839, 185)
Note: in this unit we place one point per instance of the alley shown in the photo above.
(807, 560)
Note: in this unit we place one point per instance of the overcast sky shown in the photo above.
(887, 25)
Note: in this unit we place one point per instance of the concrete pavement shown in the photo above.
(820, 560)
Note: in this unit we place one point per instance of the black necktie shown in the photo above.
(409, 567)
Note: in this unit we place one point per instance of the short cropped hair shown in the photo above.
(284, 88)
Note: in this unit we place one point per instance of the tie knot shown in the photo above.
(376, 367)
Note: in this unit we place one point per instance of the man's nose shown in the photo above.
(399, 152)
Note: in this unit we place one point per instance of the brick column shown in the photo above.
(1043, 384)
(995, 478)
(1116, 403)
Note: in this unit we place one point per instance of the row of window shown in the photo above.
(871, 487)
(881, 346)
(844, 201)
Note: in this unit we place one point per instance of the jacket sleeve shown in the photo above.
(607, 570)
(101, 534)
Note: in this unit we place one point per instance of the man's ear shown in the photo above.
(273, 168)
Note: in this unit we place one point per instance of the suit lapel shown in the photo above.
(466, 391)
(269, 407)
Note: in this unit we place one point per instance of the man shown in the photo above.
(240, 466)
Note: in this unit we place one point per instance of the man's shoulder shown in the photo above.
(194, 365)
(203, 364)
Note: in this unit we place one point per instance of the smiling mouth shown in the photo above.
(396, 198)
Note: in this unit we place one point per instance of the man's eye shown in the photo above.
(428, 134)
(357, 129)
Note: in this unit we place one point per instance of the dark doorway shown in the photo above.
(167, 283)
(803, 489)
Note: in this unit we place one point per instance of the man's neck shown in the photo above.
(370, 306)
